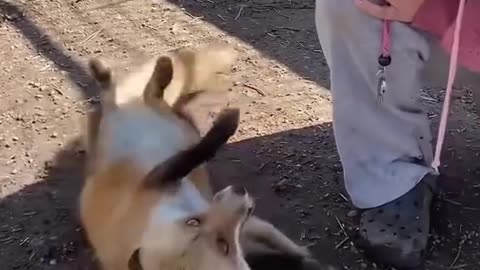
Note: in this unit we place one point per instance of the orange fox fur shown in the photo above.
(147, 183)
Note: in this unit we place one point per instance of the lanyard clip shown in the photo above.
(381, 84)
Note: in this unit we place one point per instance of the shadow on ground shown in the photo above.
(292, 174)
(39, 225)
(44, 45)
(282, 30)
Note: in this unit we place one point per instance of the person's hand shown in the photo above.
(397, 10)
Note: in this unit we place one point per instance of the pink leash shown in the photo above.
(451, 78)
(386, 38)
(385, 59)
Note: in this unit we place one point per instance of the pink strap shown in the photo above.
(451, 78)
(386, 38)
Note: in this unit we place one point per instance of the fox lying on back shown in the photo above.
(147, 203)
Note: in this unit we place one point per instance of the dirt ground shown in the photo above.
(284, 151)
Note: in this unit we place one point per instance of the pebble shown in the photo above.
(12, 17)
(281, 185)
(352, 213)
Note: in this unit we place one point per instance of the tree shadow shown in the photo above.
(282, 30)
(293, 175)
(40, 228)
(47, 47)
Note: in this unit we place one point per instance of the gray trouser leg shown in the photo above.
(385, 148)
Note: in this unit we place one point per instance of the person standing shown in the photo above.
(384, 137)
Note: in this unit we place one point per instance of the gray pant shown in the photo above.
(385, 148)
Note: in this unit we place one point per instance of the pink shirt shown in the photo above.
(438, 18)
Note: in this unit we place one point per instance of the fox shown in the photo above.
(147, 202)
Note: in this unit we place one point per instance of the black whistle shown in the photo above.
(384, 60)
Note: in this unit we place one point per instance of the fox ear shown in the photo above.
(134, 261)
(100, 71)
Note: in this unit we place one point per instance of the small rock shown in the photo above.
(15, 138)
(352, 213)
(281, 185)
(34, 84)
(54, 135)
(14, 171)
(12, 17)
(304, 213)
(53, 262)
(48, 164)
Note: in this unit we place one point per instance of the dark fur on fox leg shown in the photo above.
(279, 261)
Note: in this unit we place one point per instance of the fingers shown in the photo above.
(387, 12)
